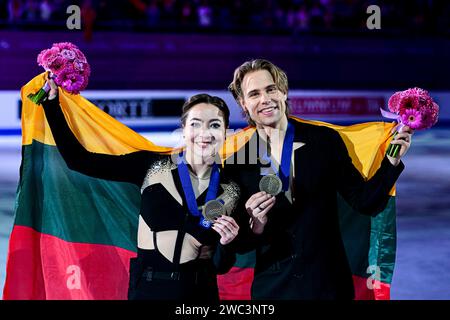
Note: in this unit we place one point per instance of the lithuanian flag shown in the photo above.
(73, 235)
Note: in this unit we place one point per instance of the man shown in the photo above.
(296, 234)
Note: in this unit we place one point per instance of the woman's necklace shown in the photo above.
(205, 177)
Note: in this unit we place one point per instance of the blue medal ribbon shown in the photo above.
(213, 188)
(286, 157)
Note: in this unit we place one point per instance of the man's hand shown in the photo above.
(258, 205)
(403, 138)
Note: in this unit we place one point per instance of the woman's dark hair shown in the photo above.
(205, 98)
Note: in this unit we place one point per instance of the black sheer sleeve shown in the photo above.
(130, 167)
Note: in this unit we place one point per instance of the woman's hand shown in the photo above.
(53, 88)
(258, 205)
(227, 228)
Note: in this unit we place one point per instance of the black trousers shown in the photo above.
(197, 283)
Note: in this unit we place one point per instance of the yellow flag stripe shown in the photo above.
(95, 129)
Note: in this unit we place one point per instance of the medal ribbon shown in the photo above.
(183, 173)
(286, 157)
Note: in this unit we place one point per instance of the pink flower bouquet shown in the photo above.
(67, 65)
(413, 108)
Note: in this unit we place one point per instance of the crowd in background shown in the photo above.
(431, 16)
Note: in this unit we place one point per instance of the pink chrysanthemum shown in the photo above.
(68, 64)
(56, 65)
(394, 101)
(407, 102)
(416, 92)
(68, 54)
(412, 118)
(65, 45)
(71, 81)
(47, 56)
(429, 114)
(80, 56)
(78, 65)
(415, 108)
(410, 98)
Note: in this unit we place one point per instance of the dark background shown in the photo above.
(166, 44)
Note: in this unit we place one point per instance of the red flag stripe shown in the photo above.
(46, 267)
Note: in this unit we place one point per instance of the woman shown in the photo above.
(179, 252)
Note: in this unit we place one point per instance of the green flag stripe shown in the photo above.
(383, 242)
(55, 200)
(363, 238)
